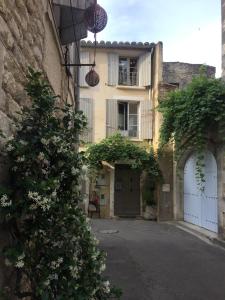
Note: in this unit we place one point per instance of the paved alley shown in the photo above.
(151, 261)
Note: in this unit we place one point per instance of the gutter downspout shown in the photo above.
(77, 84)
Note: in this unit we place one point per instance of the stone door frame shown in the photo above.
(178, 197)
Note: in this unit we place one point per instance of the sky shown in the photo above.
(189, 29)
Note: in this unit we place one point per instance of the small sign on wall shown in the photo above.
(166, 188)
(102, 200)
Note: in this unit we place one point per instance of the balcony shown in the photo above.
(127, 78)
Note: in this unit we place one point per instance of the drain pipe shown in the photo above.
(77, 79)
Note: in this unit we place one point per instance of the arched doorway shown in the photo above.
(201, 207)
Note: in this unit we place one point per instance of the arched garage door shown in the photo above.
(200, 207)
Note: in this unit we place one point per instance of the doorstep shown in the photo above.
(201, 233)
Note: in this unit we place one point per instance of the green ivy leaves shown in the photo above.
(190, 114)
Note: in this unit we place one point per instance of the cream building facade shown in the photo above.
(133, 79)
(122, 102)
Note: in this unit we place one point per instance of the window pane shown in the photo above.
(133, 131)
(133, 108)
(133, 71)
(123, 70)
(133, 120)
(122, 116)
(127, 71)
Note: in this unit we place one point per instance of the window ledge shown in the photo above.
(130, 87)
(135, 140)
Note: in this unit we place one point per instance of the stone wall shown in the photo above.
(27, 38)
(223, 37)
(181, 74)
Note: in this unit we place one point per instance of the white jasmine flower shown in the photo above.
(4, 200)
(102, 268)
(56, 139)
(20, 159)
(19, 264)
(75, 171)
(10, 147)
(10, 138)
(74, 271)
(41, 156)
(44, 141)
(107, 286)
(22, 142)
(22, 256)
(54, 194)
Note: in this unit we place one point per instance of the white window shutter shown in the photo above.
(146, 120)
(144, 69)
(113, 69)
(86, 105)
(84, 59)
(111, 116)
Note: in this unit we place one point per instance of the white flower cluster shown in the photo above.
(43, 202)
(55, 139)
(75, 171)
(10, 138)
(21, 159)
(106, 285)
(56, 264)
(58, 244)
(24, 143)
(74, 271)
(4, 200)
(44, 141)
(10, 147)
(102, 268)
(20, 261)
(41, 156)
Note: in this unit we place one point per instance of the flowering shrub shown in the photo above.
(53, 249)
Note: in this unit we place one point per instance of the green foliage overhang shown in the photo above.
(189, 115)
(117, 148)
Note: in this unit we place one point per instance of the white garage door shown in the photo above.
(200, 207)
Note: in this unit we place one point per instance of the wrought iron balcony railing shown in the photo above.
(127, 78)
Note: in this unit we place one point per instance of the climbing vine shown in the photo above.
(189, 115)
(52, 251)
(117, 148)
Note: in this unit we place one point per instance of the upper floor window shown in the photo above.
(128, 119)
(131, 118)
(128, 71)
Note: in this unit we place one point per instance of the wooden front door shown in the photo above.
(127, 191)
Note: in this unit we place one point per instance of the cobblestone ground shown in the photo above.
(151, 261)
